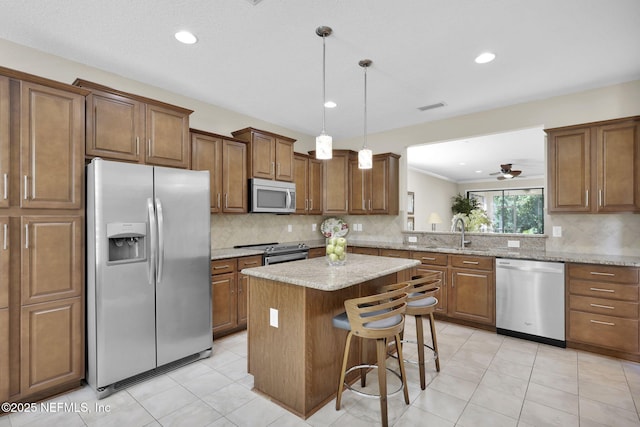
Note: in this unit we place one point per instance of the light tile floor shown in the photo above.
(485, 380)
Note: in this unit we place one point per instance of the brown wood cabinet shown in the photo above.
(335, 182)
(225, 159)
(308, 179)
(375, 190)
(229, 290)
(124, 126)
(602, 307)
(317, 252)
(42, 125)
(270, 155)
(595, 167)
(433, 262)
(472, 288)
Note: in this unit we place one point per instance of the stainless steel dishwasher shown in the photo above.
(530, 300)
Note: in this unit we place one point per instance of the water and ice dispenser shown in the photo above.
(126, 241)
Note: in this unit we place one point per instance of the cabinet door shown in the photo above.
(263, 154)
(206, 154)
(234, 177)
(360, 189)
(472, 295)
(52, 258)
(314, 190)
(618, 161)
(441, 295)
(51, 148)
(336, 184)
(243, 298)
(4, 354)
(52, 345)
(4, 262)
(301, 179)
(115, 126)
(569, 164)
(384, 185)
(4, 142)
(167, 133)
(284, 160)
(223, 293)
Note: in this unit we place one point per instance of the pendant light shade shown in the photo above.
(365, 155)
(324, 142)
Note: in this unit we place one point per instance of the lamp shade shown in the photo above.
(324, 146)
(434, 219)
(365, 159)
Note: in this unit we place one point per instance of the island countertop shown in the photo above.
(318, 274)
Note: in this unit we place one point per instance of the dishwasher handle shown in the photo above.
(538, 269)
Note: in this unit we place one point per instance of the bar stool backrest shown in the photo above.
(376, 316)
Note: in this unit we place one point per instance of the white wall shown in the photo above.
(431, 195)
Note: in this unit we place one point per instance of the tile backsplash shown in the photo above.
(613, 234)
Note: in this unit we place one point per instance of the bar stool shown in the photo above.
(377, 317)
(422, 302)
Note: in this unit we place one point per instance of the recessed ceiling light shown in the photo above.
(186, 37)
(462, 163)
(485, 57)
(330, 104)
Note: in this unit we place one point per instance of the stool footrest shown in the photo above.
(365, 394)
(413, 362)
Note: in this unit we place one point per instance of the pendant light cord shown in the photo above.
(365, 108)
(324, 93)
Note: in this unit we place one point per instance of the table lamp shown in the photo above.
(434, 219)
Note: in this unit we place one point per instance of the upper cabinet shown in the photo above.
(375, 190)
(270, 155)
(4, 141)
(308, 179)
(595, 167)
(122, 126)
(335, 182)
(226, 161)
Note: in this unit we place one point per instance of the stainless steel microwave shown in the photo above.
(272, 196)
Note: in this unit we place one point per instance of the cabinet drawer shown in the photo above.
(249, 262)
(317, 252)
(474, 262)
(224, 266)
(605, 273)
(604, 306)
(365, 251)
(604, 290)
(605, 331)
(394, 253)
(431, 258)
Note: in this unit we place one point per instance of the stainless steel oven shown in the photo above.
(275, 253)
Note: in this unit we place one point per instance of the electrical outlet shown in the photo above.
(314, 227)
(412, 239)
(513, 243)
(557, 231)
(289, 228)
(273, 317)
(359, 227)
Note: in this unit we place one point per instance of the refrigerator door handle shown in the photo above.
(152, 244)
(160, 241)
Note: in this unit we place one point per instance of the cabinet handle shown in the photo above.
(4, 244)
(218, 202)
(310, 204)
(427, 258)
(272, 167)
(602, 290)
(602, 323)
(26, 188)
(26, 236)
(221, 267)
(226, 200)
(251, 263)
(586, 197)
(149, 147)
(471, 262)
(137, 145)
(599, 197)
(602, 306)
(278, 168)
(369, 204)
(597, 273)
(6, 186)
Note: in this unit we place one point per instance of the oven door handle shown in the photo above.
(277, 259)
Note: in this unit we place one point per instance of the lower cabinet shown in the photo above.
(319, 252)
(432, 262)
(603, 307)
(52, 342)
(229, 290)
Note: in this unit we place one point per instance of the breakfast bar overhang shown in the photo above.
(294, 352)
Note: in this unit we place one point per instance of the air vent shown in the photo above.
(254, 2)
(432, 106)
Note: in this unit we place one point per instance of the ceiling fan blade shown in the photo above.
(515, 173)
(496, 173)
(500, 178)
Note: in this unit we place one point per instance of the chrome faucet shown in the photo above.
(455, 225)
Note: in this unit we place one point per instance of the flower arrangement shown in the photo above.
(476, 220)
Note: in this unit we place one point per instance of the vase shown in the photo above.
(336, 250)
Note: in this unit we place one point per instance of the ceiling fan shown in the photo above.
(506, 172)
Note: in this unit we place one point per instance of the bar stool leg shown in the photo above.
(420, 338)
(403, 374)
(345, 358)
(381, 347)
(432, 324)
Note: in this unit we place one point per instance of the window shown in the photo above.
(514, 210)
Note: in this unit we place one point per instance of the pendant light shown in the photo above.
(324, 142)
(365, 155)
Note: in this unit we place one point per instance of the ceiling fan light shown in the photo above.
(324, 147)
(365, 159)
(508, 175)
(186, 37)
(485, 58)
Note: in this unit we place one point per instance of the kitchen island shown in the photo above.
(294, 352)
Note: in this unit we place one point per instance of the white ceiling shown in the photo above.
(266, 60)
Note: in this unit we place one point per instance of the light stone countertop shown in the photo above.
(318, 274)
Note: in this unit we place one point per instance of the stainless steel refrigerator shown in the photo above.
(148, 271)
